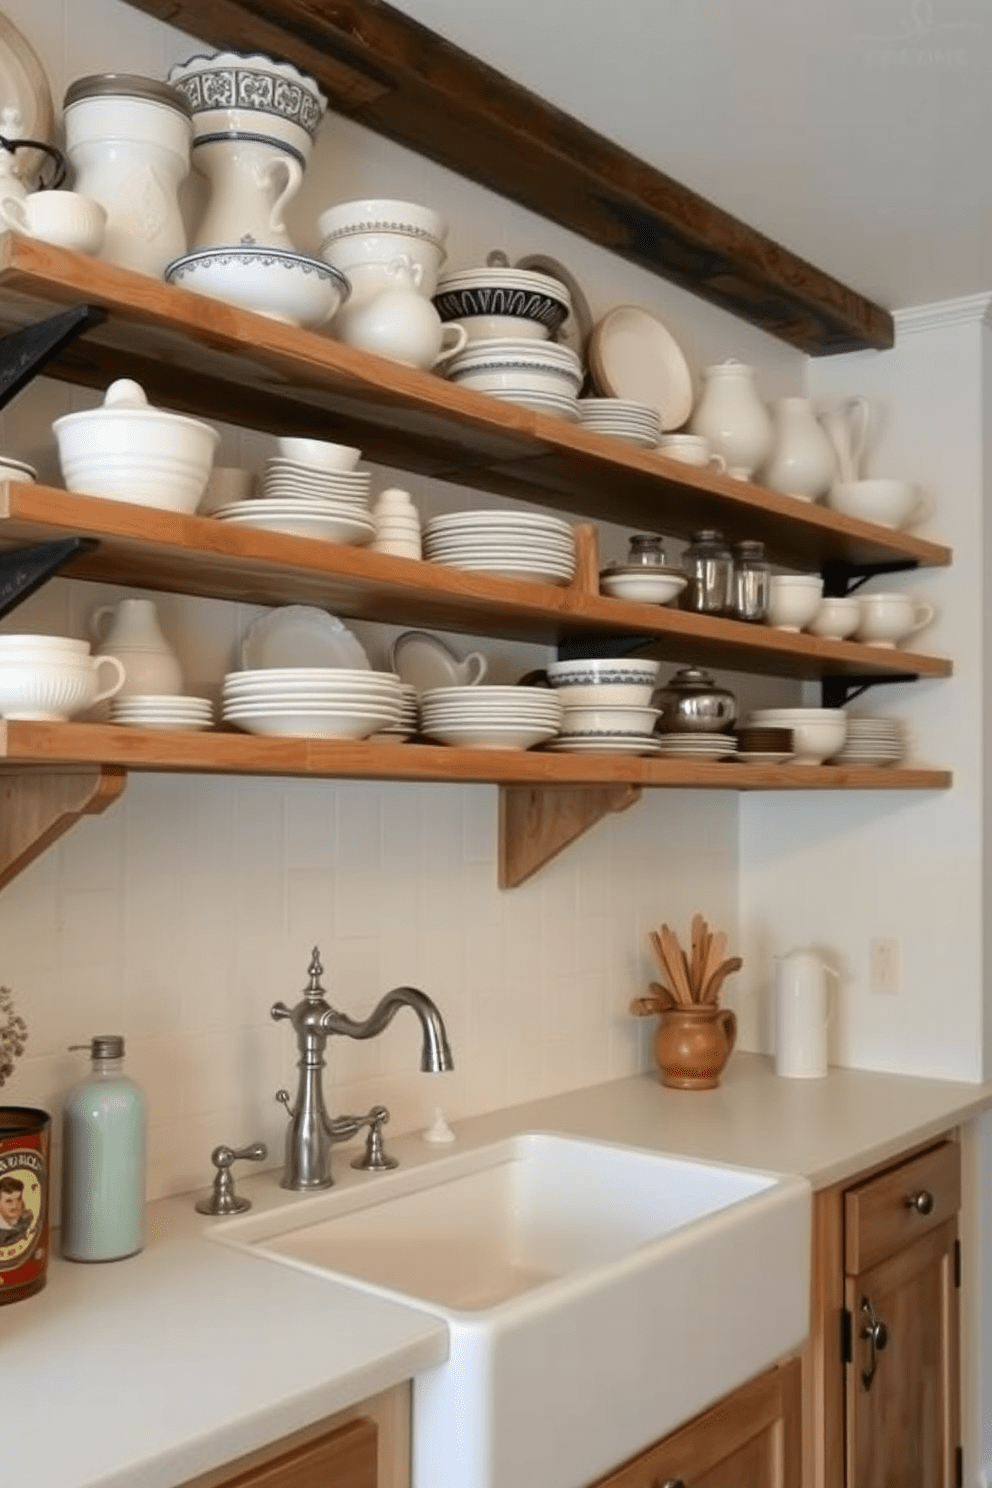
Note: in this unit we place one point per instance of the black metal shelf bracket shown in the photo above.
(25, 353)
(841, 577)
(581, 648)
(23, 570)
(841, 689)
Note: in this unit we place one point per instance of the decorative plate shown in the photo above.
(300, 636)
(632, 355)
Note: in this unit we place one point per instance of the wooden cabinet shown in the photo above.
(882, 1386)
(211, 359)
(749, 1440)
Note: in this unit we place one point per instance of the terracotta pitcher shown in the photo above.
(692, 1045)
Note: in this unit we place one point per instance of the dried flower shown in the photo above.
(13, 1034)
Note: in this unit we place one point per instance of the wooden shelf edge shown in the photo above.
(38, 805)
(536, 823)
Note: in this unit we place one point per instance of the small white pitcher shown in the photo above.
(803, 1012)
(130, 631)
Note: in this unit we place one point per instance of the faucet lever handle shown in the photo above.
(222, 1198)
(375, 1159)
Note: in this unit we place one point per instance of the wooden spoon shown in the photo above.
(678, 971)
(711, 991)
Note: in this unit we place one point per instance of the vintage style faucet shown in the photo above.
(312, 1132)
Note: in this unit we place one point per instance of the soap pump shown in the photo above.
(103, 1159)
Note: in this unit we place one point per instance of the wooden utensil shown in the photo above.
(678, 971)
(711, 991)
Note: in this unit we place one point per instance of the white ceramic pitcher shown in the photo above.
(732, 417)
(130, 631)
(803, 1010)
(802, 461)
(847, 427)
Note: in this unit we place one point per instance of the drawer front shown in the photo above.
(896, 1207)
(345, 1458)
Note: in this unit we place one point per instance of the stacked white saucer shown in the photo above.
(312, 702)
(489, 717)
(872, 741)
(518, 545)
(408, 721)
(162, 711)
(307, 501)
(622, 418)
(697, 746)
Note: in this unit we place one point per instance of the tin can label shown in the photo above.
(23, 1210)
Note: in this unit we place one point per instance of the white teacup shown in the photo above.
(64, 218)
(837, 618)
(690, 449)
(793, 600)
(887, 619)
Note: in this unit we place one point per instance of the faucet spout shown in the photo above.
(435, 1055)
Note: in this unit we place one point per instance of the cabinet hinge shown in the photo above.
(846, 1336)
(957, 1264)
(959, 1467)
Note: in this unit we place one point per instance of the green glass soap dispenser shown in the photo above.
(103, 1159)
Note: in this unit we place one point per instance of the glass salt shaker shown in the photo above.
(709, 565)
(645, 551)
(751, 582)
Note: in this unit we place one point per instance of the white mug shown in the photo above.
(803, 1012)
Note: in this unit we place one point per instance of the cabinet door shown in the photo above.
(902, 1381)
(749, 1440)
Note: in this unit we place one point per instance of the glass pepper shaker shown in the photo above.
(708, 564)
(645, 551)
(751, 582)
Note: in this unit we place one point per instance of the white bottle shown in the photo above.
(103, 1159)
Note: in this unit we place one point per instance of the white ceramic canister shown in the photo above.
(802, 461)
(802, 1014)
(128, 140)
(103, 1159)
(732, 417)
(130, 631)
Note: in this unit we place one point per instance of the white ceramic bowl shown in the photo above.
(233, 93)
(625, 681)
(891, 503)
(319, 454)
(494, 303)
(283, 286)
(517, 366)
(42, 646)
(837, 618)
(608, 718)
(361, 238)
(54, 689)
(128, 451)
(644, 587)
(793, 600)
(817, 733)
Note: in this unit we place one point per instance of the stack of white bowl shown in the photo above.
(397, 524)
(313, 702)
(310, 489)
(49, 679)
(606, 705)
(533, 374)
(872, 741)
(517, 545)
(622, 418)
(486, 717)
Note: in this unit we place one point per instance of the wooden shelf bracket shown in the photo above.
(536, 823)
(38, 806)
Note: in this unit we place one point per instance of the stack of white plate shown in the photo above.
(162, 711)
(408, 722)
(535, 374)
(701, 746)
(483, 717)
(312, 702)
(330, 505)
(518, 545)
(621, 418)
(872, 741)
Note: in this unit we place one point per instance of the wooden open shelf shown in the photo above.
(217, 362)
(160, 550)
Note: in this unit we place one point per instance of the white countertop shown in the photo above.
(146, 1372)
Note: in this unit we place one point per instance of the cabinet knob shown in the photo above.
(922, 1202)
(876, 1334)
(669, 1483)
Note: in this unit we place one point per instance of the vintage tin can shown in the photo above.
(25, 1142)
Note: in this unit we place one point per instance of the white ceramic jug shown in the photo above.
(732, 417)
(847, 427)
(399, 323)
(130, 631)
(802, 461)
(251, 184)
(802, 1014)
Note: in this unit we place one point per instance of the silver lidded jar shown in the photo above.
(708, 564)
(692, 703)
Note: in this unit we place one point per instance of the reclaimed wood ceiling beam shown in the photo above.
(400, 79)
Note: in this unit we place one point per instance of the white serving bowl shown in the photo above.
(837, 618)
(503, 303)
(128, 451)
(248, 93)
(319, 454)
(608, 718)
(283, 286)
(54, 689)
(817, 733)
(793, 600)
(41, 646)
(517, 366)
(642, 586)
(361, 238)
(624, 681)
(891, 503)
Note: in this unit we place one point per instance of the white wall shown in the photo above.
(180, 915)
